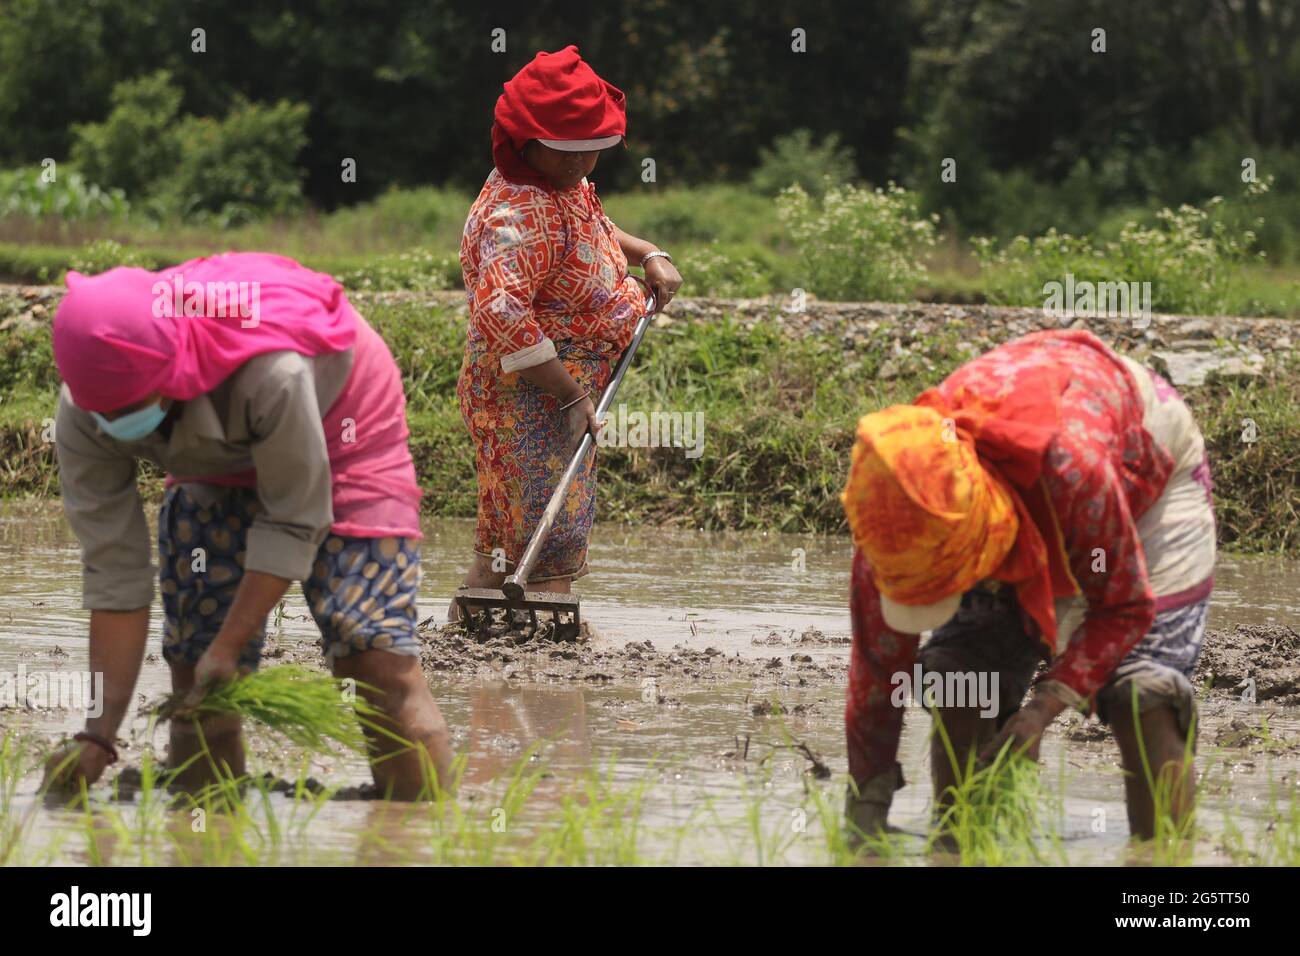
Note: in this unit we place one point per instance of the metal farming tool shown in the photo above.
(476, 604)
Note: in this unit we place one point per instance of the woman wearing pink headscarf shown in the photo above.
(279, 417)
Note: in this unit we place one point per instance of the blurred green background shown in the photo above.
(161, 152)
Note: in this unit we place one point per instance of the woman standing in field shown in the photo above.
(551, 307)
(1050, 499)
(279, 417)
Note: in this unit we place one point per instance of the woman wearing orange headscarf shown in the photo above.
(551, 307)
(1049, 500)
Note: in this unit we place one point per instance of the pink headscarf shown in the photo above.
(119, 337)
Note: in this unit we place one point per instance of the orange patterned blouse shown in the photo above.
(544, 265)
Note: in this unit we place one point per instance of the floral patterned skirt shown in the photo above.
(520, 443)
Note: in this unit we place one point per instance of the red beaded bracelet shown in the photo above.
(101, 741)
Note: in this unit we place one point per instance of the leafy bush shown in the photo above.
(242, 167)
(1192, 260)
(859, 243)
(136, 146)
(795, 159)
(104, 254)
(706, 271)
(1192, 257)
(69, 197)
(225, 171)
(399, 217)
(419, 270)
(1016, 273)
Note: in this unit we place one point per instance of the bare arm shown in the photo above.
(291, 455)
(635, 249)
(257, 595)
(117, 644)
(551, 376)
(660, 274)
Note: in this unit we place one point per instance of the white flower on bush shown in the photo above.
(1191, 257)
(859, 243)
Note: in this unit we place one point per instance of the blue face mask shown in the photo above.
(134, 425)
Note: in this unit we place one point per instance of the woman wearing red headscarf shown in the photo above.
(551, 307)
(1049, 500)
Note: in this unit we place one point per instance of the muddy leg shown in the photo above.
(1166, 748)
(222, 737)
(402, 693)
(968, 732)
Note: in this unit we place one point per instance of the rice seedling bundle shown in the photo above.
(307, 707)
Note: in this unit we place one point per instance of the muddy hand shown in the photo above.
(72, 764)
(1024, 729)
(217, 666)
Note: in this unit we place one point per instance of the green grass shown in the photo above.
(1007, 813)
(727, 239)
(310, 709)
(781, 470)
(997, 814)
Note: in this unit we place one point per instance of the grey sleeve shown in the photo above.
(100, 498)
(288, 448)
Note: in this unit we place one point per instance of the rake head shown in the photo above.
(489, 612)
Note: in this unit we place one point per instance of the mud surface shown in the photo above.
(714, 673)
(779, 661)
(1267, 655)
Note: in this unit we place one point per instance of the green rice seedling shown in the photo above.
(17, 760)
(477, 835)
(753, 838)
(102, 829)
(304, 804)
(598, 824)
(670, 839)
(227, 830)
(151, 808)
(309, 708)
(1282, 836)
(992, 817)
(273, 834)
(1277, 835)
(1174, 840)
(1246, 848)
(845, 843)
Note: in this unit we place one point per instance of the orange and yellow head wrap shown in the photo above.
(930, 518)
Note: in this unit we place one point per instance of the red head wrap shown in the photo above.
(556, 96)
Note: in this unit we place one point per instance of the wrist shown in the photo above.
(577, 399)
(1045, 703)
(104, 745)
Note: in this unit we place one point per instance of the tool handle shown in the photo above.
(514, 584)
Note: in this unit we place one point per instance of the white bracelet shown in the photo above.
(655, 254)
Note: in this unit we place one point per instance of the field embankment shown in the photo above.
(777, 394)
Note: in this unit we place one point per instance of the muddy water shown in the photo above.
(706, 757)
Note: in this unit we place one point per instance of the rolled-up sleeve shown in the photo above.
(292, 461)
(514, 256)
(1107, 561)
(97, 480)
